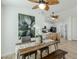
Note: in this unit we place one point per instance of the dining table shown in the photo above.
(26, 52)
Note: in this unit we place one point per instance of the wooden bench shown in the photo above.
(58, 54)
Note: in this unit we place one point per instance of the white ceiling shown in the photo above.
(63, 5)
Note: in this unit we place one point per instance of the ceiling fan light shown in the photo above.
(53, 18)
(42, 5)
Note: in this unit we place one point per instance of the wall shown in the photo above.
(9, 30)
(74, 28)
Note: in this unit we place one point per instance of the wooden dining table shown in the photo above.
(31, 50)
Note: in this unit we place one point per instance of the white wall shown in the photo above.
(9, 30)
(74, 28)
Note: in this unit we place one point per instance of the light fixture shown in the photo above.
(42, 5)
(54, 16)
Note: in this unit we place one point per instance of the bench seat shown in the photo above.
(58, 54)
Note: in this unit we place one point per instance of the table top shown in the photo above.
(36, 47)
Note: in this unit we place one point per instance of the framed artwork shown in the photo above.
(26, 25)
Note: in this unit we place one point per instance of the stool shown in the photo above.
(58, 54)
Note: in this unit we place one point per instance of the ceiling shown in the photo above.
(63, 5)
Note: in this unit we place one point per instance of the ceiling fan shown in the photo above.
(54, 16)
(44, 4)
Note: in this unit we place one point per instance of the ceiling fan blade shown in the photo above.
(52, 2)
(35, 7)
(35, 1)
(47, 7)
(55, 16)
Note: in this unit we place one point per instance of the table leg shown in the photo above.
(18, 56)
(63, 57)
(40, 54)
(23, 57)
(28, 56)
(47, 49)
(56, 46)
(36, 55)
